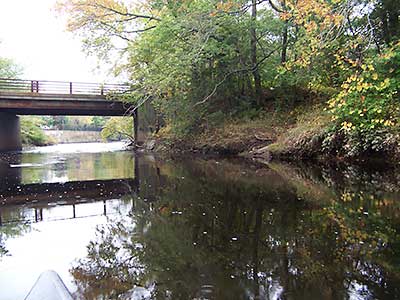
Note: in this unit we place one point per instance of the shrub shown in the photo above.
(366, 109)
(31, 133)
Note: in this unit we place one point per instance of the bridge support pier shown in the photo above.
(10, 137)
(135, 125)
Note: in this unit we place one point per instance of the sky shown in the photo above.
(34, 36)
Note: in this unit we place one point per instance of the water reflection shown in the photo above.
(64, 163)
(219, 230)
(50, 205)
(193, 228)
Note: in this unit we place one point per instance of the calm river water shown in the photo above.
(118, 226)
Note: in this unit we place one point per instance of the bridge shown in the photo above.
(34, 97)
(72, 191)
(32, 199)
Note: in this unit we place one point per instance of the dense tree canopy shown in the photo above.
(202, 60)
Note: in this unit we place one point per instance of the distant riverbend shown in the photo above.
(73, 136)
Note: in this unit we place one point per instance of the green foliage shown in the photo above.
(118, 128)
(8, 69)
(368, 97)
(81, 123)
(367, 108)
(11, 230)
(98, 122)
(199, 61)
(385, 17)
(31, 132)
(208, 51)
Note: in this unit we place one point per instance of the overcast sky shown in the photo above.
(34, 36)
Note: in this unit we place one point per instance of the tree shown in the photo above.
(117, 128)
(99, 122)
(31, 132)
(254, 60)
(103, 24)
(207, 45)
(9, 69)
(385, 17)
(202, 62)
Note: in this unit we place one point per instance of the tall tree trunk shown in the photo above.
(295, 41)
(255, 71)
(284, 42)
(389, 13)
(284, 37)
(393, 18)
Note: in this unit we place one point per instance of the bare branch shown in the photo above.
(276, 8)
(132, 108)
(244, 70)
(126, 14)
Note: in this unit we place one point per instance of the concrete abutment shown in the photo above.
(10, 136)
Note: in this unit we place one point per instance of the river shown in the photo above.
(115, 225)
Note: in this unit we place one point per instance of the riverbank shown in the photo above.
(73, 136)
(40, 138)
(301, 134)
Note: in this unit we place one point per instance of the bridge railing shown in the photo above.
(60, 87)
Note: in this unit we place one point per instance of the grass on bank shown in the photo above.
(304, 136)
(243, 134)
(304, 132)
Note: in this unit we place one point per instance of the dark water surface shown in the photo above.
(119, 226)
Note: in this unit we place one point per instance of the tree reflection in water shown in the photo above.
(12, 229)
(224, 230)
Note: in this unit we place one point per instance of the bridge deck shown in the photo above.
(58, 104)
(30, 97)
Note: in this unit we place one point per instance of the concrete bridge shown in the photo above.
(33, 97)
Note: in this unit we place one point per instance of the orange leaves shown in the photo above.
(226, 6)
(312, 14)
(81, 12)
(285, 16)
(316, 22)
(310, 26)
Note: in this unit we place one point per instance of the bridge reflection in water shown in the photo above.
(34, 198)
(36, 202)
(22, 202)
(52, 199)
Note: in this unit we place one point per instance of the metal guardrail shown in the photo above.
(60, 87)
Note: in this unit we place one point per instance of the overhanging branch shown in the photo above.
(244, 70)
